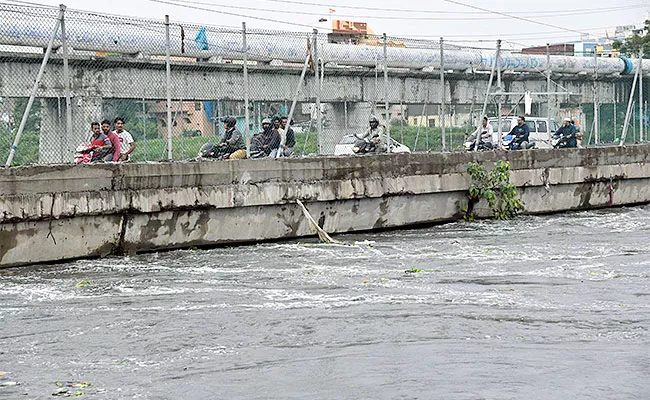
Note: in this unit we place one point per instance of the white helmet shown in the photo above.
(567, 119)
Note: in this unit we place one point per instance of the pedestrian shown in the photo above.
(127, 144)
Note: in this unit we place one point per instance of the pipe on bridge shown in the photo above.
(35, 31)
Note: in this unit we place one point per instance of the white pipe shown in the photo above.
(133, 39)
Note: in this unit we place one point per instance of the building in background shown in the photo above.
(588, 47)
(190, 118)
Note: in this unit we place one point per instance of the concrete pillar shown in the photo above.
(335, 123)
(52, 131)
(553, 112)
(54, 146)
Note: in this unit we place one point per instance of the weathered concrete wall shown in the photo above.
(52, 213)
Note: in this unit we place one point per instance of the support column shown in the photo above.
(55, 146)
(52, 132)
(335, 122)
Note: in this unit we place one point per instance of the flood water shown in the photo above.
(547, 307)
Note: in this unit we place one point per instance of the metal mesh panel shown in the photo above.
(117, 68)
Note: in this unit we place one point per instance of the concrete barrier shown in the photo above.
(50, 213)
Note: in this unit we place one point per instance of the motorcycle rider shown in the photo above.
(232, 142)
(265, 143)
(521, 133)
(370, 140)
(567, 132)
(484, 132)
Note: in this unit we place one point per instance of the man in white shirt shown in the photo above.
(127, 145)
(485, 132)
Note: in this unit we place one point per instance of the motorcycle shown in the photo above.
(364, 146)
(89, 152)
(509, 143)
(558, 141)
(483, 146)
(212, 151)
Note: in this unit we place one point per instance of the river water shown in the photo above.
(543, 307)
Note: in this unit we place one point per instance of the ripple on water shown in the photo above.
(505, 301)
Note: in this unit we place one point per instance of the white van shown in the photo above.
(538, 126)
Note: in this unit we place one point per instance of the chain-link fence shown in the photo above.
(431, 94)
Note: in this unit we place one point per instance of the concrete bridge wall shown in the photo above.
(133, 78)
(50, 213)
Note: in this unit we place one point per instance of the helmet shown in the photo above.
(266, 121)
(567, 119)
(373, 119)
(229, 120)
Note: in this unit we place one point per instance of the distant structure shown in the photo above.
(588, 47)
(358, 33)
(191, 119)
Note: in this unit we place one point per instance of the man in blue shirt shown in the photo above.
(521, 133)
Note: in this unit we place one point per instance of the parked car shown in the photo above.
(345, 145)
(539, 132)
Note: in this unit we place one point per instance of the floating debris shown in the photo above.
(83, 283)
(415, 270)
(71, 389)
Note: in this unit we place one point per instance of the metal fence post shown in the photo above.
(442, 95)
(387, 111)
(246, 111)
(144, 129)
(548, 90)
(32, 95)
(596, 106)
(641, 135)
(615, 116)
(169, 91)
(319, 116)
(182, 106)
(498, 65)
(66, 83)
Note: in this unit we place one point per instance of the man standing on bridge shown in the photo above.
(287, 133)
(127, 145)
